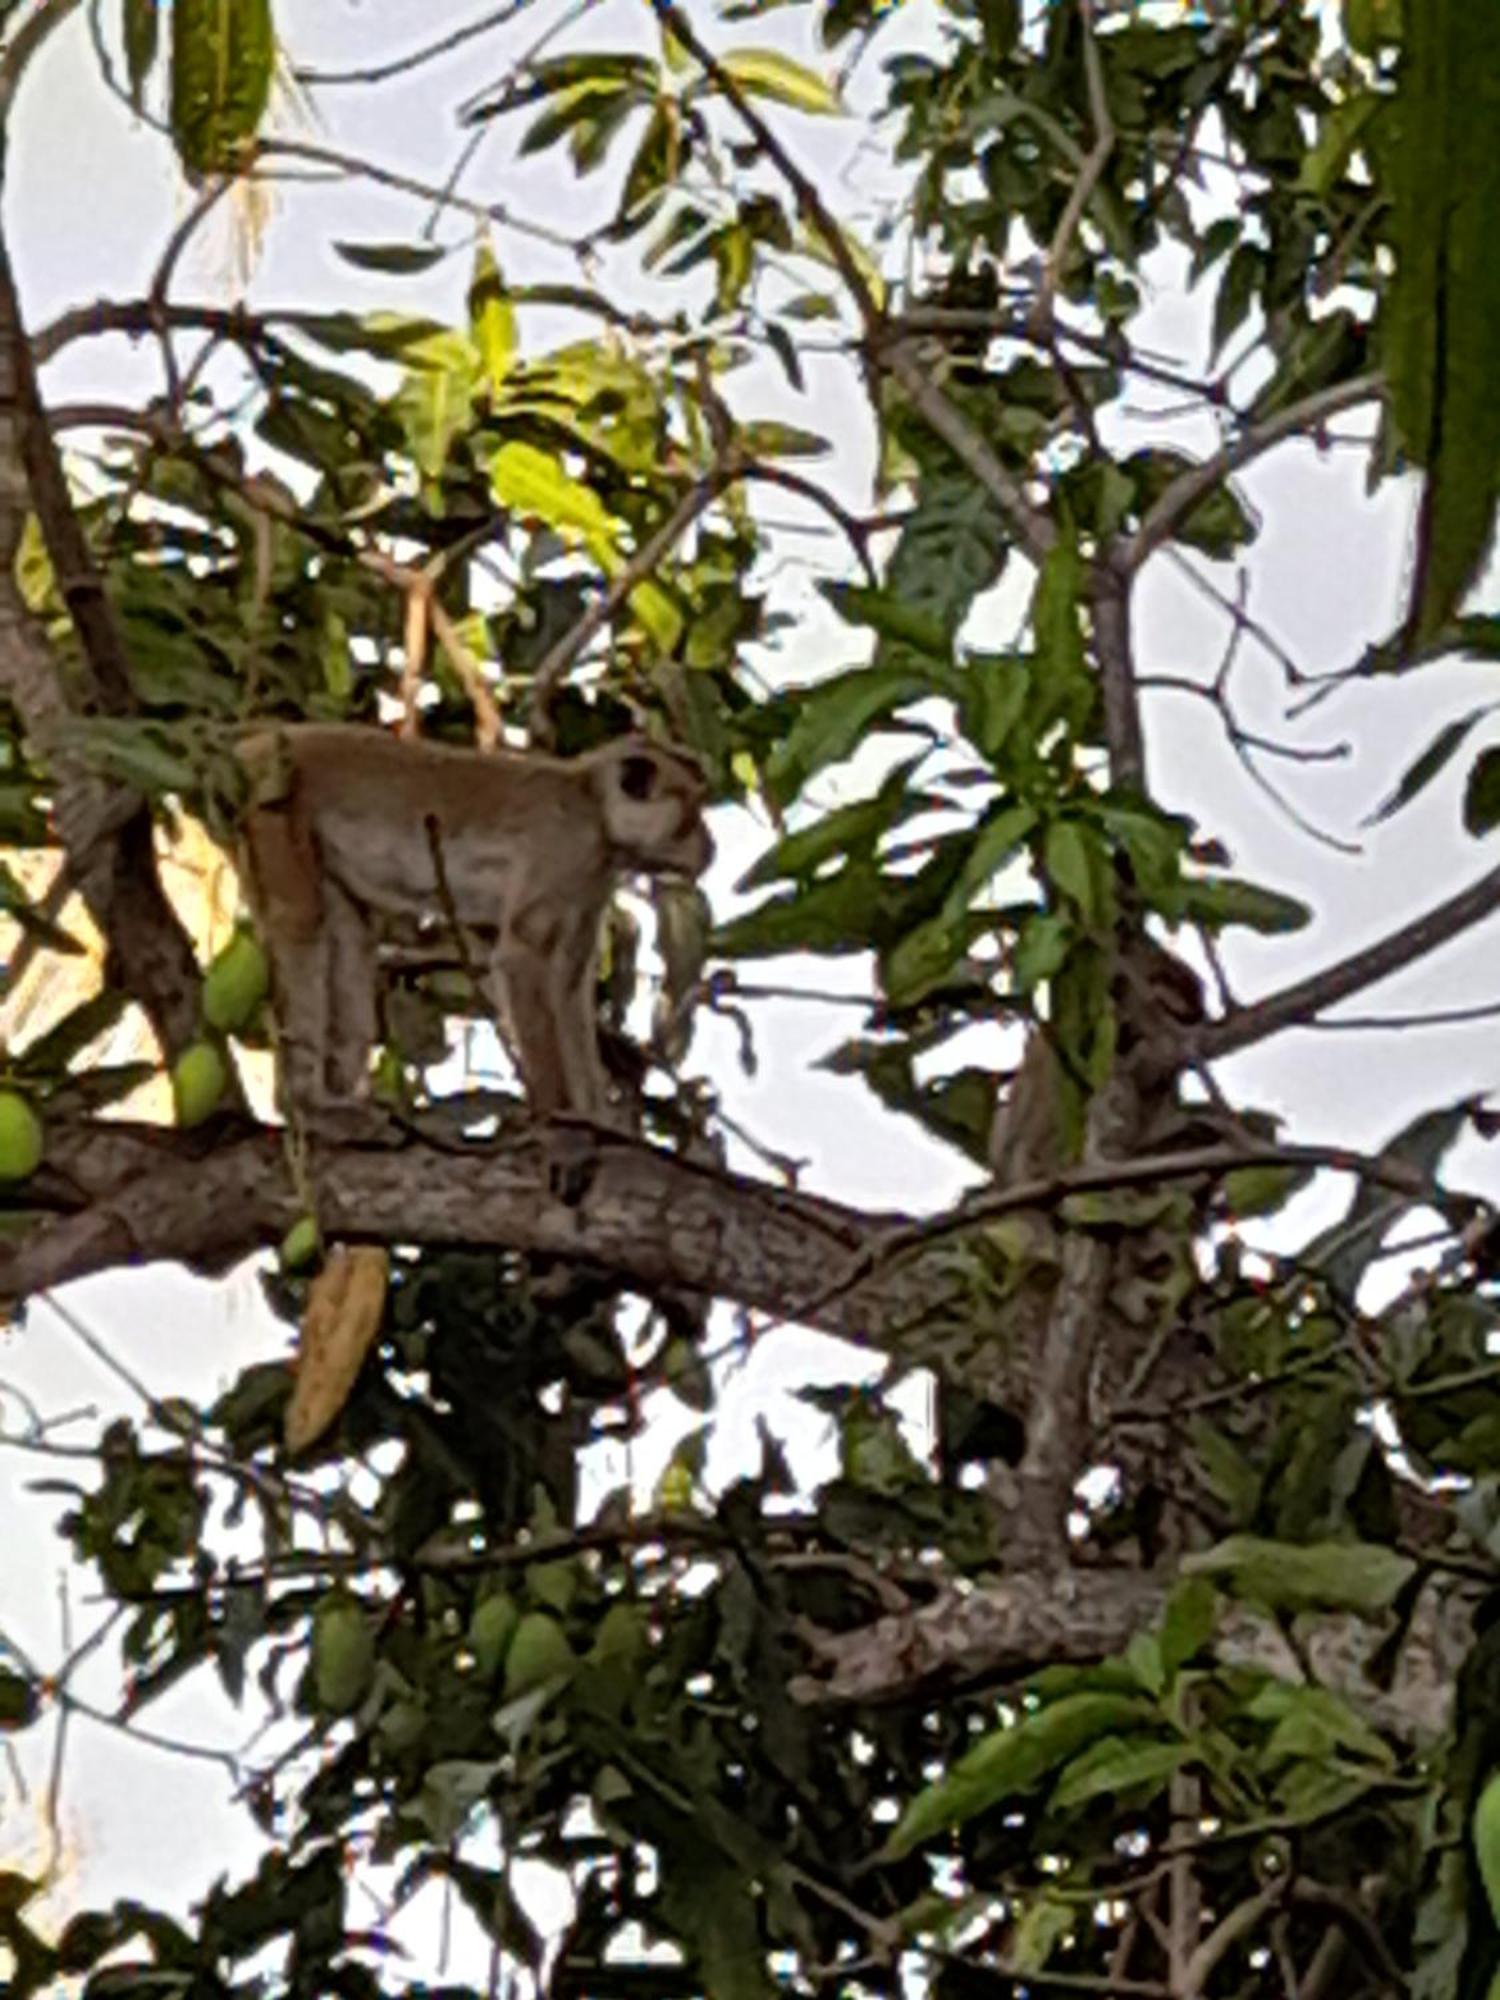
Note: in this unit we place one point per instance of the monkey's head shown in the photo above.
(652, 800)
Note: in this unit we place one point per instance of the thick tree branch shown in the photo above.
(1003, 1629)
(1109, 599)
(127, 1193)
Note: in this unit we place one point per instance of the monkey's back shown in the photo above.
(422, 825)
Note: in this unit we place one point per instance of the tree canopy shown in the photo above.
(866, 384)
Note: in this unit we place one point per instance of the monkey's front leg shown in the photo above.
(543, 975)
(327, 1019)
(351, 1021)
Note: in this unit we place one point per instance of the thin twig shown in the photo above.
(352, 165)
(1031, 527)
(487, 729)
(560, 657)
(415, 58)
(1084, 181)
(1189, 489)
(1106, 1176)
(1431, 1017)
(1294, 1006)
(24, 44)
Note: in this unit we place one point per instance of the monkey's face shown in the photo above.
(653, 810)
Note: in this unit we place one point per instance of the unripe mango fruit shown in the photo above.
(200, 1076)
(538, 1651)
(235, 984)
(20, 1137)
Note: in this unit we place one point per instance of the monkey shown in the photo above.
(346, 826)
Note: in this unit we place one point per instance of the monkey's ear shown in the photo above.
(638, 775)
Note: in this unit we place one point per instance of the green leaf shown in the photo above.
(1218, 525)
(711, 1907)
(1055, 613)
(833, 719)
(1041, 949)
(1370, 23)
(1072, 859)
(952, 545)
(1187, 1623)
(768, 73)
(20, 1700)
(533, 481)
(1314, 1722)
(1243, 276)
(1014, 1760)
(140, 33)
(773, 440)
(892, 617)
(492, 318)
(926, 954)
(996, 841)
(1439, 318)
(1038, 1928)
(1154, 842)
(436, 398)
(1344, 1251)
(923, 958)
(1224, 901)
(588, 115)
(834, 916)
(1422, 770)
(1262, 1190)
(1119, 1765)
(1486, 1830)
(223, 57)
(1227, 1470)
(1342, 126)
(396, 260)
(1361, 1577)
(654, 168)
(1482, 793)
(851, 829)
(1216, 242)
(992, 699)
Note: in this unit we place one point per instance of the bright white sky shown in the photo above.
(91, 200)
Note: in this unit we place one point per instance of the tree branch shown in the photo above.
(696, 502)
(24, 43)
(1031, 527)
(1296, 1005)
(1005, 1628)
(810, 205)
(105, 827)
(1084, 181)
(1191, 488)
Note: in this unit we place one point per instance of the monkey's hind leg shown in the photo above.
(350, 1019)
